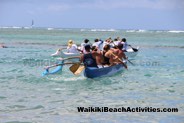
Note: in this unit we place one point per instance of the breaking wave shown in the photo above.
(176, 31)
(99, 30)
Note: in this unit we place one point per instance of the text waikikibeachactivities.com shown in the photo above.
(125, 109)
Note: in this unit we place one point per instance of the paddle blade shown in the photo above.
(134, 49)
(74, 67)
(79, 70)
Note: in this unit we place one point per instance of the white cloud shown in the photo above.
(58, 7)
(39, 7)
(153, 4)
(113, 4)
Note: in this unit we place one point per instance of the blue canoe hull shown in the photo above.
(92, 72)
(58, 69)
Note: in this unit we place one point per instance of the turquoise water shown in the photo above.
(156, 79)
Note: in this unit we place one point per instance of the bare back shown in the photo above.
(114, 60)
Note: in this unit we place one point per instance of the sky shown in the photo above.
(103, 14)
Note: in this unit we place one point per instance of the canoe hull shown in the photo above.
(60, 53)
(131, 53)
(92, 72)
(58, 69)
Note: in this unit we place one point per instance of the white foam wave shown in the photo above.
(5, 27)
(68, 79)
(103, 30)
(50, 28)
(158, 31)
(131, 31)
(82, 30)
(16, 27)
(27, 27)
(141, 30)
(176, 31)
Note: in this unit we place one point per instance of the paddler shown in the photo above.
(116, 55)
(72, 48)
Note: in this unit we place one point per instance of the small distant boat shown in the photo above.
(93, 72)
(32, 23)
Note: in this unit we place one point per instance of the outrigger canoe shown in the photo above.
(93, 72)
(130, 53)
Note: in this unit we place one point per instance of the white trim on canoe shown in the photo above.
(62, 54)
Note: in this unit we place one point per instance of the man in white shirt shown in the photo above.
(116, 41)
(86, 42)
(98, 43)
(125, 44)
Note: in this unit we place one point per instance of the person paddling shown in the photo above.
(116, 55)
(86, 42)
(72, 48)
(105, 59)
(89, 58)
(98, 56)
(125, 44)
(98, 43)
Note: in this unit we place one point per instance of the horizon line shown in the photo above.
(33, 27)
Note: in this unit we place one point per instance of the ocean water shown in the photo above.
(156, 80)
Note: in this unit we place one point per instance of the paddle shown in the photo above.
(77, 68)
(130, 62)
(58, 65)
(62, 59)
(134, 49)
(74, 67)
(120, 60)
